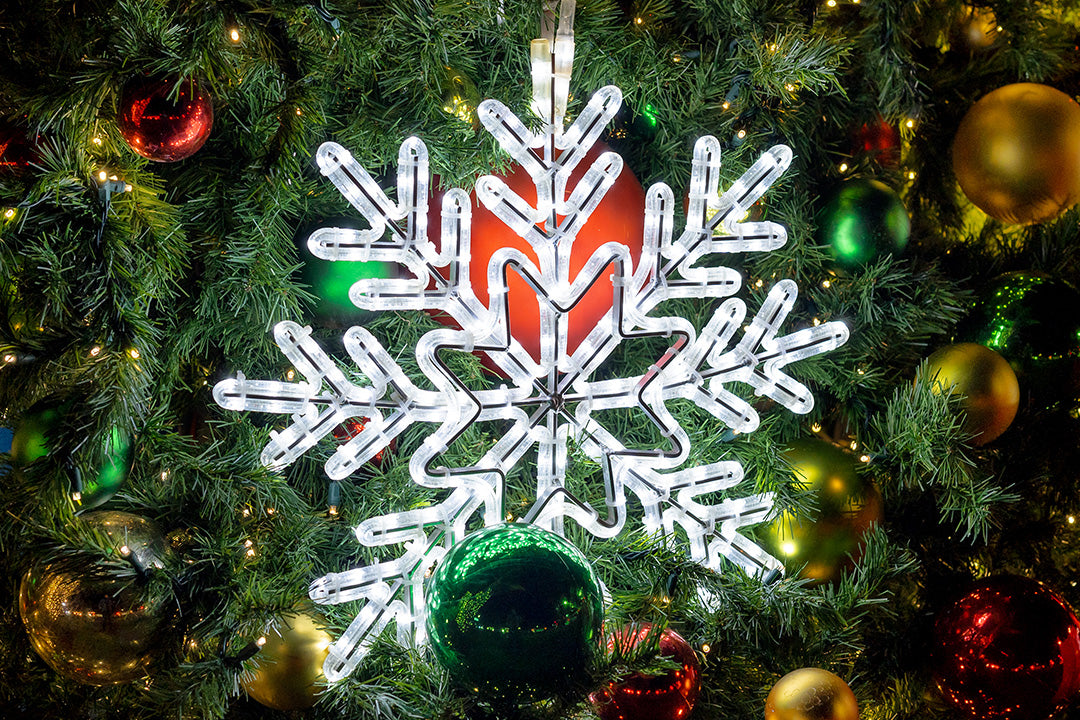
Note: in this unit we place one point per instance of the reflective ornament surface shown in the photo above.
(652, 697)
(164, 120)
(1017, 153)
(987, 382)
(848, 504)
(861, 221)
(811, 694)
(513, 612)
(88, 626)
(17, 151)
(1008, 649)
(878, 140)
(329, 281)
(289, 664)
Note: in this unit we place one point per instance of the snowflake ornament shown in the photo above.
(551, 403)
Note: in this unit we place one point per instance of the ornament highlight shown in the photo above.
(652, 697)
(1017, 153)
(289, 664)
(811, 694)
(88, 626)
(1008, 649)
(164, 119)
(862, 221)
(848, 505)
(513, 612)
(990, 390)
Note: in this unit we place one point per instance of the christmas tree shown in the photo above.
(769, 309)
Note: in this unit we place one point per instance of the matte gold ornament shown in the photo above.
(290, 664)
(1017, 153)
(811, 694)
(91, 627)
(987, 382)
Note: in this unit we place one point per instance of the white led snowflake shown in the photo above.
(552, 403)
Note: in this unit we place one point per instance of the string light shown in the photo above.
(910, 123)
(843, 167)
(234, 35)
(10, 358)
(95, 351)
(911, 175)
(1071, 519)
(864, 458)
(9, 213)
(261, 641)
(133, 353)
(826, 284)
(816, 427)
(96, 141)
(705, 648)
(102, 176)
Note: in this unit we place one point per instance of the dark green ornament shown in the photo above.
(102, 466)
(514, 613)
(1032, 320)
(862, 221)
(329, 281)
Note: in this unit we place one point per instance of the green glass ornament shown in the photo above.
(861, 221)
(1032, 320)
(514, 612)
(847, 505)
(103, 466)
(329, 281)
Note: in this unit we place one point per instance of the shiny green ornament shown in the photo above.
(514, 613)
(862, 221)
(103, 465)
(329, 281)
(1033, 321)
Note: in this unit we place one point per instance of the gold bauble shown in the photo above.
(91, 627)
(811, 694)
(987, 382)
(1017, 153)
(289, 664)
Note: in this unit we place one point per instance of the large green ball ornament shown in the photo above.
(329, 281)
(829, 541)
(1033, 321)
(1016, 153)
(862, 221)
(103, 464)
(991, 393)
(514, 612)
(289, 664)
(89, 626)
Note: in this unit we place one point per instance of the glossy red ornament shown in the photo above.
(161, 126)
(17, 152)
(879, 139)
(620, 217)
(646, 697)
(1009, 649)
(354, 426)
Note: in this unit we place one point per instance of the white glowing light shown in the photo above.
(553, 401)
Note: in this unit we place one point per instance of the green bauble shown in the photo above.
(863, 220)
(847, 506)
(329, 281)
(104, 465)
(514, 612)
(88, 626)
(1033, 321)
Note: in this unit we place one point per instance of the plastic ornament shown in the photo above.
(353, 427)
(1033, 321)
(513, 612)
(1017, 153)
(811, 694)
(17, 152)
(1008, 649)
(847, 506)
(289, 664)
(88, 626)
(458, 96)
(103, 465)
(329, 281)
(991, 393)
(861, 221)
(164, 119)
(879, 140)
(977, 30)
(652, 697)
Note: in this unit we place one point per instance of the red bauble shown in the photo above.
(1007, 650)
(620, 217)
(354, 426)
(644, 697)
(161, 126)
(17, 152)
(879, 139)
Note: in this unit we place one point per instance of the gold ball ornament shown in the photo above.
(1016, 153)
(92, 627)
(811, 694)
(987, 382)
(289, 664)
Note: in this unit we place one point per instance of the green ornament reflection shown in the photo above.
(862, 221)
(329, 281)
(514, 612)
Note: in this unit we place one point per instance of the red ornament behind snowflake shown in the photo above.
(879, 140)
(618, 218)
(645, 697)
(354, 426)
(161, 126)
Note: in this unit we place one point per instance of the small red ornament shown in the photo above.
(645, 697)
(161, 126)
(17, 152)
(354, 426)
(878, 139)
(620, 217)
(1007, 650)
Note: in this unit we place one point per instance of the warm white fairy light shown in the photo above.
(546, 403)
